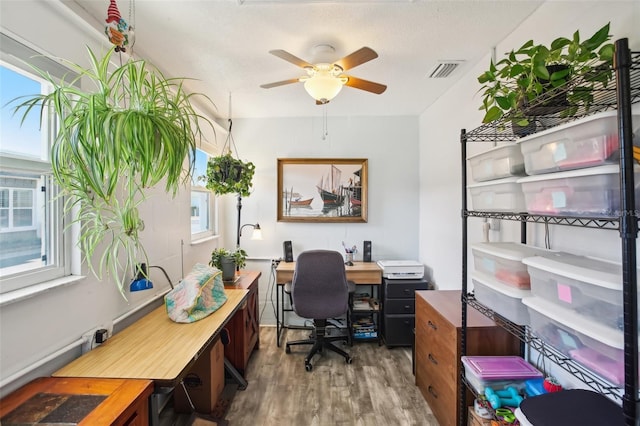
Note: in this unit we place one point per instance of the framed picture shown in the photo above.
(322, 190)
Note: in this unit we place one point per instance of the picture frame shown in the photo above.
(322, 189)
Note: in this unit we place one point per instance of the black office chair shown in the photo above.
(320, 291)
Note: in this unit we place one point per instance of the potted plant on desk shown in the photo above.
(532, 81)
(228, 261)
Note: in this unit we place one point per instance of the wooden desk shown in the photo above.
(155, 347)
(85, 402)
(360, 273)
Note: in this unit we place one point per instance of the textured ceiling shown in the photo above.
(224, 45)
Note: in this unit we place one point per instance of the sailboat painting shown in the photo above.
(322, 190)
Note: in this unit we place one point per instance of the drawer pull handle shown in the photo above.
(432, 325)
(433, 359)
(432, 392)
(407, 291)
(407, 307)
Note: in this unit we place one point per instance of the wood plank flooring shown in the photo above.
(377, 389)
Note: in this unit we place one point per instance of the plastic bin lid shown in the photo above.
(591, 270)
(608, 335)
(507, 147)
(500, 367)
(608, 169)
(510, 251)
(508, 180)
(495, 285)
(574, 123)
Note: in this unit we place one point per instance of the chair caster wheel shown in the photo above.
(349, 360)
(308, 367)
(287, 349)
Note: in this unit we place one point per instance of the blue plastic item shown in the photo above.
(534, 387)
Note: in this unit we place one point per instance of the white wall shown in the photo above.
(440, 155)
(389, 144)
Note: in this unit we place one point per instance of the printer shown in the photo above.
(401, 269)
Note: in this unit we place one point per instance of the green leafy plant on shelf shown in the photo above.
(132, 132)
(511, 86)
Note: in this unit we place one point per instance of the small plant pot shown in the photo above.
(228, 269)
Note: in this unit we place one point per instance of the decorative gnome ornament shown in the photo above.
(117, 29)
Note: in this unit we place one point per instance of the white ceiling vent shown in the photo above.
(444, 69)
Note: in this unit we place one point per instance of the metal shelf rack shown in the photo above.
(619, 95)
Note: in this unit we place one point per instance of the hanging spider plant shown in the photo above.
(134, 130)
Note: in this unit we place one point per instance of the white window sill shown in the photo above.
(204, 240)
(36, 289)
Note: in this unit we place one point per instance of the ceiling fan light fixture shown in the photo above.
(323, 86)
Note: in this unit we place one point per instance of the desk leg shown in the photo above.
(242, 383)
(279, 327)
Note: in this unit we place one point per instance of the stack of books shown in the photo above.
(363, 302)
(364, 328)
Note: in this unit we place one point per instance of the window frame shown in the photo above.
(212, 230)
(57, 246)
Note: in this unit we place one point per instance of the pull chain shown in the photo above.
(325, 126)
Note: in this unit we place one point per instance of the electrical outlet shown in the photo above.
(275, 262)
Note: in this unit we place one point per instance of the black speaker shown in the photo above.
(288, 251)
(366, 251)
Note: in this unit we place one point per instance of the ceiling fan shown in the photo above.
(325, 80)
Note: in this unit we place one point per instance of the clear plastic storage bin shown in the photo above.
(589, 142)
(591, 343)
(503, 261)
(593, 192)
(501, 298)
(591, 287)
(498, 372)
(496, 163)
(502, 195)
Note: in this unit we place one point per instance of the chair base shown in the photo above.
(320, 342)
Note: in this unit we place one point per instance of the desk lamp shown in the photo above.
(142, 282)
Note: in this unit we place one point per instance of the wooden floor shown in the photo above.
(378, 388)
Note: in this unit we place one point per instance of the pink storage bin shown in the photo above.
(498, 372)
(503, 261)
(591, 192)
(588, 142)
(591, 343)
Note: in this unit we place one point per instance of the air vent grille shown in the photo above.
(444, 69)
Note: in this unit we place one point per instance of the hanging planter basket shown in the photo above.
(227, 174)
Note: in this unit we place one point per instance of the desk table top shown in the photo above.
(359, 273)
(154, 347)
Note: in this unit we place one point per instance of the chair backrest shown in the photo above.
(319, 286)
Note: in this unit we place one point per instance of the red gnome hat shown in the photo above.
(113, 14)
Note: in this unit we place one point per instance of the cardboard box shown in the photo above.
(204, 382)
(476, 420)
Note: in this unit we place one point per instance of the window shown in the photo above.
(202, 201)
(32, 238)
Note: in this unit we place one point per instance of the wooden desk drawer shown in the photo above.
(437, 362)
(440, 395)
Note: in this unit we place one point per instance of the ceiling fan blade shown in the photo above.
(279, 83)
(361, 84)
(283, 54)
(358, 57)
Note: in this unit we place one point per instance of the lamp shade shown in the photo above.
(257, 233)
(323, 86)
